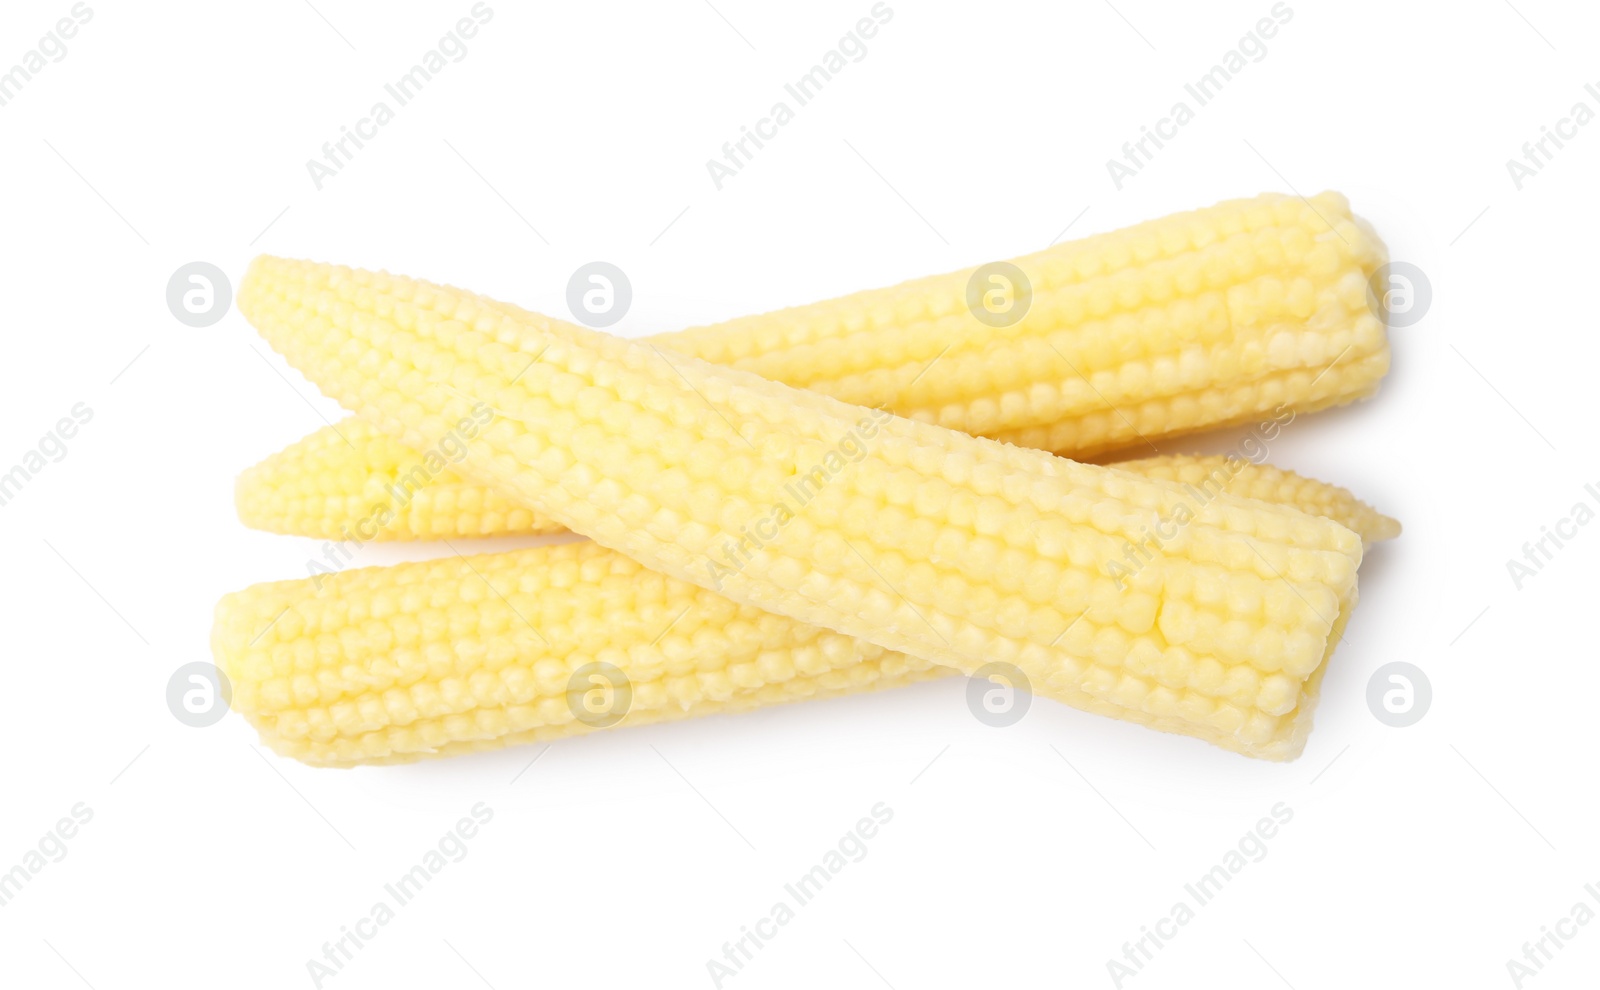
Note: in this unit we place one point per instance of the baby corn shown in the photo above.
(1198, 320)
(386, 664)
(356, 484)
(1111, 592)
(391, 664)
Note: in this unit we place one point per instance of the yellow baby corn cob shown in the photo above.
(1190, 322)
(1182, 324)
(355, 483)
(1108, 591)
(390, 664)
(352, 482)
(1198, 320)
(386, 664)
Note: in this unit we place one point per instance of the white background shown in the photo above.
(179, 131)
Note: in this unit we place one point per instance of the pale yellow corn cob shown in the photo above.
(1198, 320)
(386, 664)
(355, 483)
(352, 482)
(390, 664)
(1108, 591)
(1191, 322)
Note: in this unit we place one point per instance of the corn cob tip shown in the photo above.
(1384, 528)
(1205, 476)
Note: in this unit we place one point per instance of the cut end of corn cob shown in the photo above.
(1111, 592)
